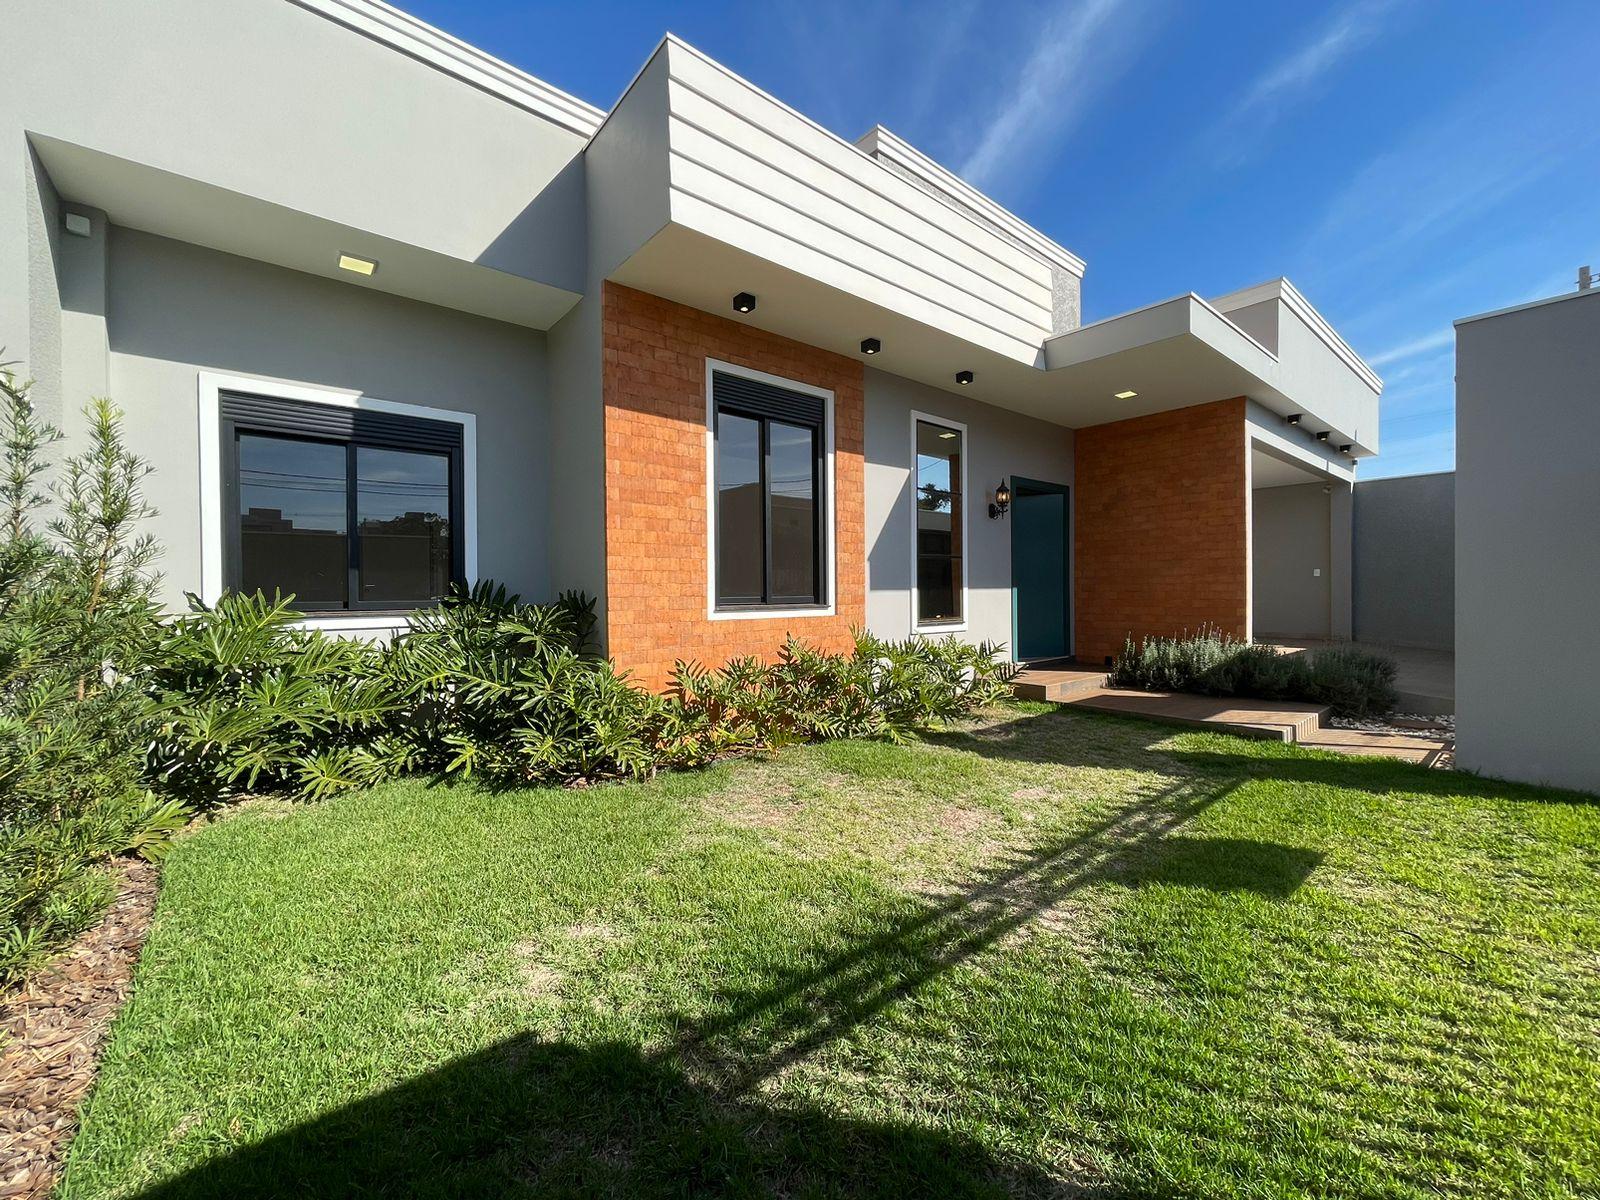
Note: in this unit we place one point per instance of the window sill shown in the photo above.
(356, 624)
(938, 628)
(770, 614)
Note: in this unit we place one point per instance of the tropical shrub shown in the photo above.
(249, 701)
(76, 618)
(484, 686)
(1354, 682)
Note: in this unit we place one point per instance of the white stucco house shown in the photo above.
(385, 313)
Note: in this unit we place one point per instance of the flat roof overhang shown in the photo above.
(1173, 354)
(139, 196)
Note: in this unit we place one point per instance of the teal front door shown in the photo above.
(1040, 526)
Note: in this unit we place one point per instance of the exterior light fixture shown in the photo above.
(1293, 418)
(1129, 395)
(1322, 434)
(361, 266)
(1002, 501)
(1345, 449)
(870, 345)
(963, 377)
(744, 302)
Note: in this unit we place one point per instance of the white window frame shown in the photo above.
(829, 555)
(213, 521)
(939, 628)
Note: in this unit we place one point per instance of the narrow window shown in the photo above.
(342, 509)
(768, 488)
(941, 524)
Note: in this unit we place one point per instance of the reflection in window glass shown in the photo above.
(741, 549)
(939, 524)
(403, 521)
(793, 464)
(293, 535)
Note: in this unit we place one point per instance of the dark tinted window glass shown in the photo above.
(793, 467)
(740, 505)
(292, 519)
(403, 519)
(939, 522)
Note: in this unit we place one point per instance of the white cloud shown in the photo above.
(1295, 76)
(1082, 47)
(1421, 345)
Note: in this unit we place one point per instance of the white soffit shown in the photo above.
(136, 196)
(405, 33)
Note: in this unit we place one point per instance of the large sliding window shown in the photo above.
(941, 524)
(344, 509)
(769, 504)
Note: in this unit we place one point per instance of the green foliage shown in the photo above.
(484, 686)
(1357, 683)
(76, 619)
(250, 701)
(1352, 681)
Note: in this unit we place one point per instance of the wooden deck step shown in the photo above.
(1057, 684)
(1273, 720)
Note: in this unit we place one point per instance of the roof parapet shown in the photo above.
(890, 148)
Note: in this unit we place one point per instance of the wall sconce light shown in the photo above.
(744, 302)
(1293, 418)
(870, 345)
(963, 377)
(1002, 501)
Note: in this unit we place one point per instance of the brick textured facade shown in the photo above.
(657, 558)
(1162, 539)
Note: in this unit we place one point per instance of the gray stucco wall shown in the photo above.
(176, 310)
(1527, 555)
(1291, 561)
(1000, 444)
(1405, 556)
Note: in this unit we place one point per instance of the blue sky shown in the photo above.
(1404, 162)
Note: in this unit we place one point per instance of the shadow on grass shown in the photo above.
(525, 1118)
(1055, 737)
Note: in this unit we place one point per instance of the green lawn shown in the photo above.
(1047, 954)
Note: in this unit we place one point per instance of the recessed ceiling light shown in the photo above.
(1126, 395)
(963, 377)
(948, 433)
(361, 266)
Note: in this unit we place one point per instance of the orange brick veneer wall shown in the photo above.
(1161, 542)
(655, 438)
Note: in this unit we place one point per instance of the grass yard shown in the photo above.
(1046, 954)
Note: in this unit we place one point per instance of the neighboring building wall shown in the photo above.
(1405, 561)
(1161, 541)
(1000, 444)
(1291, 560)
(176, 310)
(1527, 556)
(657, 539)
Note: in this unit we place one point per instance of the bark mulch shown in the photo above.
(52, 1030)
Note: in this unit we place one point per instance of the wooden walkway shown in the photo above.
(1275, 720)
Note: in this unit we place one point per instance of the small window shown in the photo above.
(941, 525)
(768, 495)
(343, 509)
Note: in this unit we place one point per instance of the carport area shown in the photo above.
(1300, 549)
